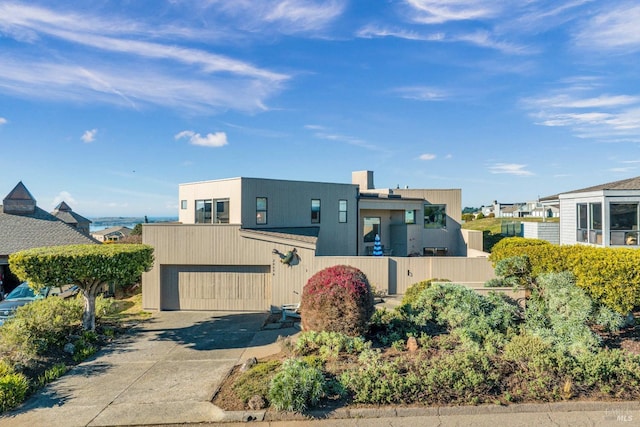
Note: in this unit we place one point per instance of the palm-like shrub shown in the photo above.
(337, 299)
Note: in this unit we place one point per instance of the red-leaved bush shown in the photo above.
(337, 299)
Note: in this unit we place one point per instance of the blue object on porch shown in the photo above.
(377, 247)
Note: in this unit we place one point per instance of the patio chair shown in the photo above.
(291, 310)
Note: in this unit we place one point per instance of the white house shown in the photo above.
(601, 215)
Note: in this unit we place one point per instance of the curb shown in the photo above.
(616, 407)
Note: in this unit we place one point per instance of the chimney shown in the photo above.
(364, 179)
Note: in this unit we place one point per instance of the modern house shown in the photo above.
(23, 225)
(601, 215)
(233, 235)
(111, 234)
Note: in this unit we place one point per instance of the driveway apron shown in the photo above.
(165, 370)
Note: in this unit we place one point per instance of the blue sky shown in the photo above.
(109, 105)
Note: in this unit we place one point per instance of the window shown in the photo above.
(435, 216)
(409, 217)
(203, 211)
(589, 218)
(371, 228)
(315, 211)
(222, 211)
(342, 211)
(624, 223)
(183, 204)
(261, 210)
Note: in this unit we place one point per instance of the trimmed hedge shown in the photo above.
(609, 275)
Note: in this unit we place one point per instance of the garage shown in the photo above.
(208, 287)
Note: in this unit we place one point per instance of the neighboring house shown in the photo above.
(23, 225)
(521, 210)
(233, 235)
(65, 214)
(112, 234)
(601, 215)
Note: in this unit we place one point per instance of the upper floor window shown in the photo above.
(409, 217)
(183, 204)
(261, 210)
(435, 216)
(203, 211)
(212, 211)
(315, 211)
(342, 211)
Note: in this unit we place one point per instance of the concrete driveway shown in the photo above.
(164, 371)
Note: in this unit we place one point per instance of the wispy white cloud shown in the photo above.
(285, 16)
(510, 169)
(440, 11)
(3, 121)
(217, 139)
(182, 76)
(422, 93)
(89, 135)
(615, 27)
(601, 116)
(375, 31)
(323, 132)
(427, 156)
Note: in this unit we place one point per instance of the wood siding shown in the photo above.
(210, 248)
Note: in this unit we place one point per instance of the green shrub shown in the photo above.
(13, 390)
(38, 326)
(473, 318)
(51, 374)
(413, 292)
(562, 313)
(609, 275)
(388, 326)
(337, 299)
(612, 372)
(296, 387)
(256, 380)
(515, 272)
(329, 344)
(380, 381)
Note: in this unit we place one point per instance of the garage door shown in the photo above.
(243, 288)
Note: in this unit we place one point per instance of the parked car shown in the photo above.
(23, 294)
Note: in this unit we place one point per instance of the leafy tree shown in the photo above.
(90, 267)
(137, 230)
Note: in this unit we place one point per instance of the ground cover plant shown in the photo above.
(447, 344)
(45, 339)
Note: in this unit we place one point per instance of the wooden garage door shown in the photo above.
(243, 288)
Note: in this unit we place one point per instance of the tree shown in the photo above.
(90, 267)
(137, 230)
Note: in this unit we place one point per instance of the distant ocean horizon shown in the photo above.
(100, 223)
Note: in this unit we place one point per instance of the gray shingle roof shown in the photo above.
(624, 184)
(19, 232)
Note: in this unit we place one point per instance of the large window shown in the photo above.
(315, 211)
(435, 216)
(212, 211)
(371, 228)
(342, 211)
(624, 223)
(203, 211)
(261, 210)
(589, 218)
